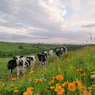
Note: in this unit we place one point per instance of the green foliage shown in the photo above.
(66, 66)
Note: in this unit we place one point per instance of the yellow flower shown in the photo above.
(39, 80)
(28, 93)
(52, 87)
(78, 83)
(59, 77)
(13, 78)
(92, 86)
(30, 88)
(65, 83)
(83, 89)
(51, 82)
(93, 72)
(84, 74)
(15, 90)
(31, 72)
(87, 93)
(79, 70)
(59, 90)
(71, 86)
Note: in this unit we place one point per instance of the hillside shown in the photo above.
(73, 74)
(8, 49)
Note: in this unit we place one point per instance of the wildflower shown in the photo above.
(30, 88)
(59, 77)
(28, 93)
(71, 86)
(93, 72)
(13, 78)
(51, 82)
(78, 83)
(84, 74)
(39, 80)
(65, 83)
(92, 76)
(31, 72)
(54, 78)
(59, 90)
(15, 90)
(92, 86)
(79, 70)
(83, 89)
(52, 87)
(87, 93)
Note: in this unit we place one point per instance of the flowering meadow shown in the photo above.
(72, 74)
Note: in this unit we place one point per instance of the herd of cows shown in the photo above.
(22, 63)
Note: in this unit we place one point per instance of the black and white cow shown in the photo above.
(22, 63)
(65, 49)
(61, 51)
(30, 62)
(13, 63)
(43, 58)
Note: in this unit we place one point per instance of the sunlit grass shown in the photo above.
(69, 75)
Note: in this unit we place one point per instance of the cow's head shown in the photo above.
(18, 59)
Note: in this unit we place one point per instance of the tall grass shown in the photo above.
(69, 75)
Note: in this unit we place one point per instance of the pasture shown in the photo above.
(72, 74)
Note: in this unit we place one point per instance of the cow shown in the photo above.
(30, 62)
(65, 49)
(50, 52)
(61, 51)
(43, 58)
(13, 63)
(22, 63)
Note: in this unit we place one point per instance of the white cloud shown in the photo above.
(47, 19)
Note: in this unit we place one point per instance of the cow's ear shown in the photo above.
(21, 56)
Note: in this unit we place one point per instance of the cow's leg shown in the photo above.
(23, 70)
(32, 66)
(18, 72)
(11, 71)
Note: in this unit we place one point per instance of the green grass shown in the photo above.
(66, 66)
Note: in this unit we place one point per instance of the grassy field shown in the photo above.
(72, 74)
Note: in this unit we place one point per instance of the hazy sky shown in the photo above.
(47, 21)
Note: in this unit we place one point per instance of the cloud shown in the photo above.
(35, 20)
(89, 26)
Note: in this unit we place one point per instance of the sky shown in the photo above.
(47, 21)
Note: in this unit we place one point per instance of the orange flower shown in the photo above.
(54, 78)
(13, 78)
(65, 83)
(39, 80)
(59, 90)
(59, 77)
(31, 72)
(87, 93)
(92, 86)
(84, 74)
(79, 70)
(78, 83)
(83, 89)
(51, 82)
(71, 86)
(30, 88)
(28, 93)
(15, 90)
(52, 87)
